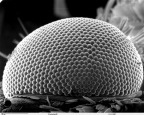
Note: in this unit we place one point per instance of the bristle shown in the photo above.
(139, 37)
(3, 55)
(21, 35)
(15, 42)
(50, 108)
(89, 100)
(60, 9)
(138, 41)
(48, 101)
(23, 27)
(108, 9)
(123, 23)
(100, 12)
(128, 29)
(100, 17)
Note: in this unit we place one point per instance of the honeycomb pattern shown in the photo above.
(74, 57)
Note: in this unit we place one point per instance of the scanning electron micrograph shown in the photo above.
(61, 60)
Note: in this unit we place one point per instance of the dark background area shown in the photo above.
(35, 13)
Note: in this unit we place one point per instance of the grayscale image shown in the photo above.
(71, 56)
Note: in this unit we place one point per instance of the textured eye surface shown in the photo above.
(74, 57)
